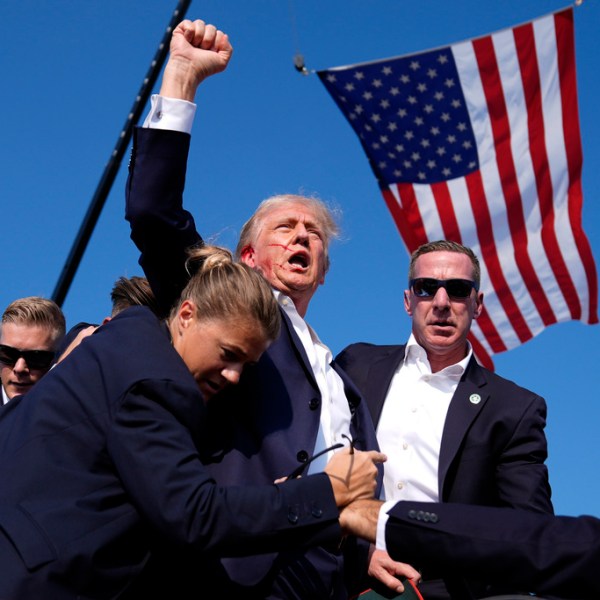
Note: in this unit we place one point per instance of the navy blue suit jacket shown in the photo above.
(546, 554)
(492, 451)
(101, 460)
(267, 425)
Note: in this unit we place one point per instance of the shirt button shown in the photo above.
(400, 485)
(314, 403)
(159, 115)
(404, 445)
(414, 409)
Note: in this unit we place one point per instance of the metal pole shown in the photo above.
(112, 167)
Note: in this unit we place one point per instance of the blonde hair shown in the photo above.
(222, 288)
(35, 310)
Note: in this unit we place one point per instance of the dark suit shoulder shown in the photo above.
(365, 351)
(504, 388)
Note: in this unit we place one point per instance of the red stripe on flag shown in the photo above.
(407, 217)
(563, 22)
(489, 254)
(480, 353)
(490, 79)
(493, 337)
(446, 212)
(530, 74)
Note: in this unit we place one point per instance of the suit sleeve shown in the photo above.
(547, 554)
(160, 469)
(521, 474)
(160, 227)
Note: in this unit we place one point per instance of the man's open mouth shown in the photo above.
(299, 259)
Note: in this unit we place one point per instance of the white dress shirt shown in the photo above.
(335, 411)
(412, 422)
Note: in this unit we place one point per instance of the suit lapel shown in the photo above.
(379, 377)
(466, 404)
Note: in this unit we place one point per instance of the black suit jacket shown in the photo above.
(267, 425)
(101, 460)
(492, 451)
(549, 555)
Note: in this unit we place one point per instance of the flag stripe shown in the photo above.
(488, 67)
(568, 84)
(525, 46)
(490, 255)
(446, 211)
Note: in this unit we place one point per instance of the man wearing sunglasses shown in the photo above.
(452, 430)
(31, 330)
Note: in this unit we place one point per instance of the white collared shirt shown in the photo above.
(5, 398)
(412, 422)
(335, 411)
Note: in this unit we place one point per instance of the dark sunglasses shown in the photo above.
(426, 287)
(35, 359)
(301, 468)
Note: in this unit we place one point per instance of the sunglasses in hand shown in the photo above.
(301, 468)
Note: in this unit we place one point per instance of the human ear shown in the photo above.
(407, 307)
(186, 315)
(247, 256)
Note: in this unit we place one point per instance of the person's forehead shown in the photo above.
(292, 211)
(443, 264)
(26, 336)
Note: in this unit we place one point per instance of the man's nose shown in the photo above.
(441, 298)
(301, 234)
(20, 366)
(232, 373)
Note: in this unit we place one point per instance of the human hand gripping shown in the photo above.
(197, 51)
(388, 571)
(353, 474)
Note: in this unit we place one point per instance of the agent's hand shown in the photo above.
(388, 571)
(197, 51)
(353, 474)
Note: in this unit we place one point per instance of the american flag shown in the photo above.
(479, 143)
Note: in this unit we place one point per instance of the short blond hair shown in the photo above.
(35, 310)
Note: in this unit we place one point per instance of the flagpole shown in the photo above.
(110, 171)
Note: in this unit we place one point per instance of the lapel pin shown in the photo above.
(474, 398)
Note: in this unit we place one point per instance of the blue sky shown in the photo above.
(71, 70)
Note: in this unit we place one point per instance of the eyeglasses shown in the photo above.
(426, 287)
(35, 359)
(301, 468)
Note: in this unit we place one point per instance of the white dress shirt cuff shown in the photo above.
(381, 523)
(170, 113)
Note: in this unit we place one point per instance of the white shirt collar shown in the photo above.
(415, 354)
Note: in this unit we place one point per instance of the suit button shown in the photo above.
(314, 403)
(434, 518)
(420, 515)
(412, 514)
(316, 512)
(427, 517)
(302, 456)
